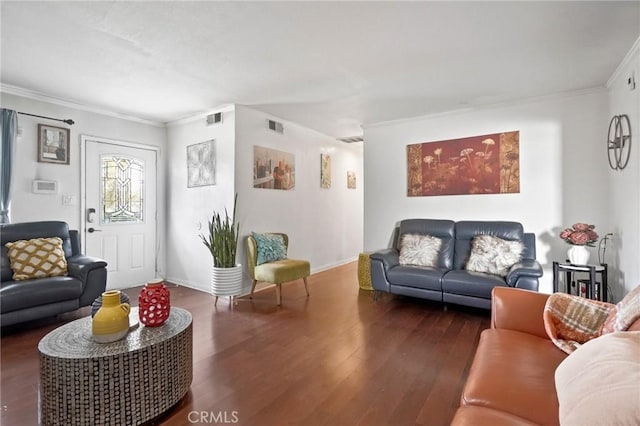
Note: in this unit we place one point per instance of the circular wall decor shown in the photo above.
(619, 142)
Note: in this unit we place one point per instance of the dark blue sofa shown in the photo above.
(449, 282)
(37, 298)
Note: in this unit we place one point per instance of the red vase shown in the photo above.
(154, 304)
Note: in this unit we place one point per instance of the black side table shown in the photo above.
(594, 289)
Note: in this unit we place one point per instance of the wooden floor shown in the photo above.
(335, 358)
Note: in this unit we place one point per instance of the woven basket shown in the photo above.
(364, 271)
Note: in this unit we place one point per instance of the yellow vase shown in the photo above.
(111, 322)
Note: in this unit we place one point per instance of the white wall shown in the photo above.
(27, 206)
(563, 171)
(324, 225)
(189, 209)
(623, 192)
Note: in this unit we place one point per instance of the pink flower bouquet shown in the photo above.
(580, 234)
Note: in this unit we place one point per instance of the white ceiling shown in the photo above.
(331, 66)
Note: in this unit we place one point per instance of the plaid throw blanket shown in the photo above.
(571, 320)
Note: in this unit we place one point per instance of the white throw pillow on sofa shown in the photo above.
(599, 383)
(493, 255)
(419, 250)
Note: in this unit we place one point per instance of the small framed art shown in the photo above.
(53, 144)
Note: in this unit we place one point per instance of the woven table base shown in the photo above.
(127, 382)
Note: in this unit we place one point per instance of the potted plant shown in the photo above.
(222, 242)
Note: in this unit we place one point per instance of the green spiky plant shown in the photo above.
(222, 240)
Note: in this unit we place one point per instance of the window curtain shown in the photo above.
(8, 130)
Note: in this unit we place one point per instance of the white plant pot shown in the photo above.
(226, 281)
(578, 255)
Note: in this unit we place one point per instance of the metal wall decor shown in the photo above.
(619, 142)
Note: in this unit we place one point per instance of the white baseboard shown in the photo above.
(261, 286)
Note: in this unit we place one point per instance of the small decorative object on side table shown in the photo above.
(579, 236)
(593, 289)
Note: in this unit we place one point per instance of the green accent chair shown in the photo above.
(276, 272)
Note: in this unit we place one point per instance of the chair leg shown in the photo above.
(305, 285)
(278, 296)
(253, 287)
(216, 302)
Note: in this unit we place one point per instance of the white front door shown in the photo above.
(120, 210)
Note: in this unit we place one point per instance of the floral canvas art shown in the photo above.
(485, 164)
(351, 180)
(325, 171)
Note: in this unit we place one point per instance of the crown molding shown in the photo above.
(491, 105)
(635, 50)
(31, 94)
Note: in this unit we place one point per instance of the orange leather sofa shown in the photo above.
(511, 380)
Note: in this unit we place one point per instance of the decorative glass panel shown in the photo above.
(122, 189)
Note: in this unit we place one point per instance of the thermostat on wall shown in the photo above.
(45, 186)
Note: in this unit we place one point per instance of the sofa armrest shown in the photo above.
(93, 274)
(527, 268)
(389, 257)
(519, 310)
(79, 266)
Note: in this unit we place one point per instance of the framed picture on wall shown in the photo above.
(53, 144)
(273, 169)
(351, 180)
(201, 164)
(325, 171)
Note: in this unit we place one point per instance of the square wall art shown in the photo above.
(273, 169)
(485, 164)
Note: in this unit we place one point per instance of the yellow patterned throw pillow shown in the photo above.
(37, 258)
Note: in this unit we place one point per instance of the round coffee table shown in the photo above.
(127, 382)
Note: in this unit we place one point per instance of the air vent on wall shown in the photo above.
(275, 126)
(45, 186)
(214, 118)
(352, 139)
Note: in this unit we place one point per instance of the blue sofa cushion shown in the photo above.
(25, 294)
(468, 283)
(416, 276)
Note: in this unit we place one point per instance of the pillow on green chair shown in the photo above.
(270, 247)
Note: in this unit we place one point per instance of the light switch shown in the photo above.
(68, 200)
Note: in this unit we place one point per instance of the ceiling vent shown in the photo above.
(214, 118)
(275, 126)
(352, 139)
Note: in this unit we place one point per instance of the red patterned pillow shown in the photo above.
(626, 312)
